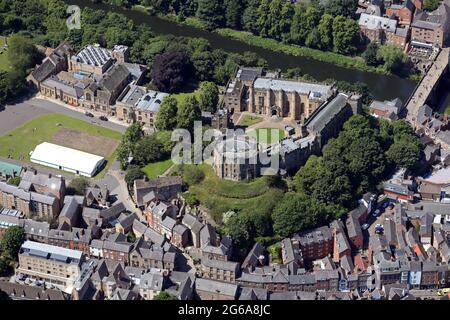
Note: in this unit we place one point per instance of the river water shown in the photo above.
(382, 86)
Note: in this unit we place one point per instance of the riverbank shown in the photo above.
(336, 59)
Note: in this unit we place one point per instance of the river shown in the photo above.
(381, 86)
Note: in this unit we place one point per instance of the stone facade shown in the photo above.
(251, 91)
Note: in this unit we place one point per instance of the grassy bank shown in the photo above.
(220, 196)
(153, 170)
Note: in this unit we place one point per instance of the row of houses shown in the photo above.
(405, 24)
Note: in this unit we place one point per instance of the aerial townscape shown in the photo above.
(314, 138)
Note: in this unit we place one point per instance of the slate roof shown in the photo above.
(217, 287)
(319, 120)
(251, 260)
(221, 265)
(25, 292)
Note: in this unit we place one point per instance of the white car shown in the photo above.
(365, 226)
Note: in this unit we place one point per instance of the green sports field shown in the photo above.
(60, 129)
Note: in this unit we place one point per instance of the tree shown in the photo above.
(263, 22)
(22, 53)
(131, 237)
(191, 200)
(325, 29)
(166, 118)
(4, 266)
(78, 186)
(250, 16)
(313, 40)
(15, 180)
(393, 57)
(133, 134)
(163, 295)
(148, 149)
(286, 15)
(203, 64)
(297, 212)
(346, 35)
(192, 175)
(170, 71)
(208, 97)
(11, 242)
(211, 13)
(134, 172)
(370, 55)
(406, 149)
(430, 5)
(404, 152)
(188, 112)
(233, 10)
(240, 228)
(165, 138)
(346, 8)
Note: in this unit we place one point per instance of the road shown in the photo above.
(17, 114)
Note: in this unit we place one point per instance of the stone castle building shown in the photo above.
(240, 157)
(254, 91)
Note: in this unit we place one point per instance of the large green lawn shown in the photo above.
(4, 62)
(220, 196)
(267, 135)
(153, 170)
(19, 142)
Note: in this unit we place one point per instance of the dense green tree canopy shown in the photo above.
(166, 118)
(78, 186)
(133, 173)
(188, 112)
(11, 242)
(208, 97)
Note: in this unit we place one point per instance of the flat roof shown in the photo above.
(9, 169)
(47, 251)
(68, 159)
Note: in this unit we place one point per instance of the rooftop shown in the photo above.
(45, 251)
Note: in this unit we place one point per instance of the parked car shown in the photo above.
(376, 212)
(103, 118)
(365, 226)
(385, 204)
(88, 114)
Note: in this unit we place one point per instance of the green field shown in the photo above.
(18, 143)
(4, 63)
(264, 135)
(249, 120)
(220, 196)
(153, 170)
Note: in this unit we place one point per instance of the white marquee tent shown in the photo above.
(67, 159)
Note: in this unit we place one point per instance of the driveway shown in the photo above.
(14, 116)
